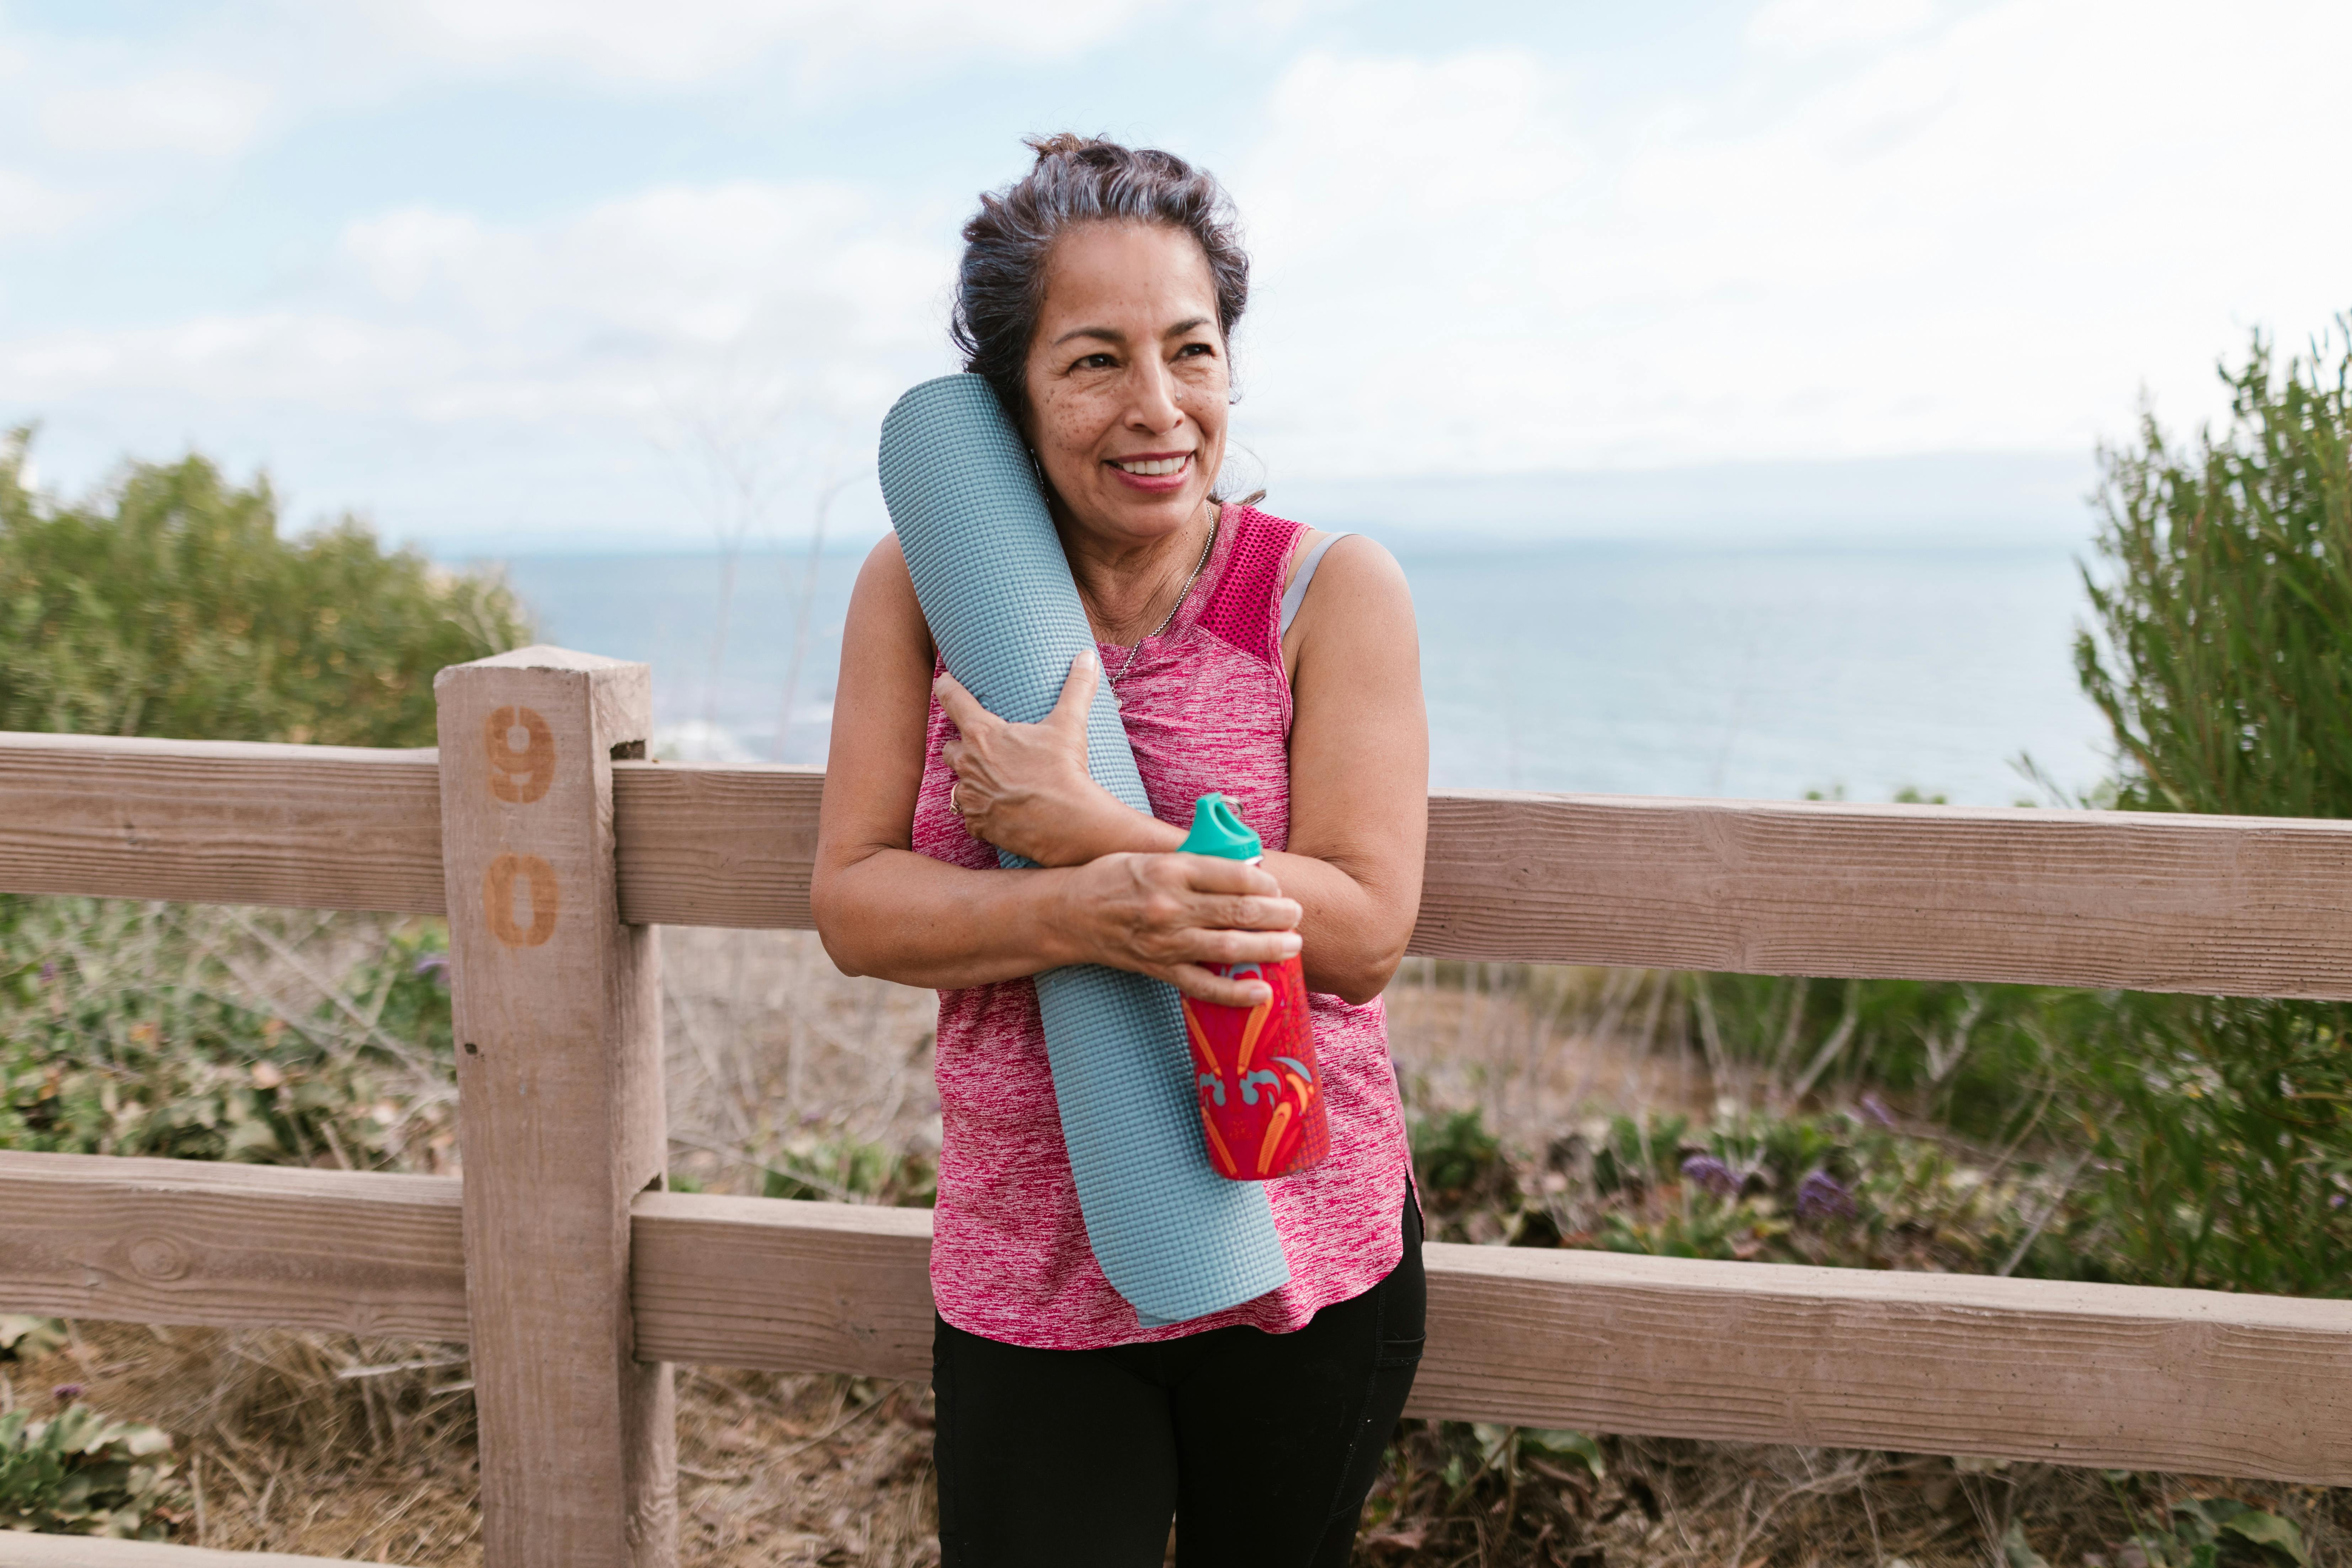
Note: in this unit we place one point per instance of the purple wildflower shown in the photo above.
(435, 965)
(1711, 1174)
(65, 1393)
(1875, 1109)
(48, 972)
(1822, 1196)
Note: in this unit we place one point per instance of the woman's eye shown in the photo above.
(1093, 361)
(1190, 351)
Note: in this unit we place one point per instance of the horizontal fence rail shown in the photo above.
(2224, 906)
(577, 1286)
(2084, 1374)
(21, 1551)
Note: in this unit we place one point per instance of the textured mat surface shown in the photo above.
(1174, 1237)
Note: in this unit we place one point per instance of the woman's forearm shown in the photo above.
(1351, 930)
(901, 916)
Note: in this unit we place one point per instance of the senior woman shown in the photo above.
(1098, 295)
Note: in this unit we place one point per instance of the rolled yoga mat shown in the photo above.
(1174, 1237)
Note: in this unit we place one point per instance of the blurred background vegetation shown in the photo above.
(2151, 1139)
(171, 604)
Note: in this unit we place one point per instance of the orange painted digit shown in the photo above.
(498, 897)
(518, 775)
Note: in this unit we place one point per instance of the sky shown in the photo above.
(534, 275)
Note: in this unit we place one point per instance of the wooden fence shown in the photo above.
(578, 1281)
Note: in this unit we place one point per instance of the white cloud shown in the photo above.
(1986, 237)
(687, 41)
(614, 314)
(29, 208)
(1810, 27)
(197, 113)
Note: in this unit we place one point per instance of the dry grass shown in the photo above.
(330, 1446)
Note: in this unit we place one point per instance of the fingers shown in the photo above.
(961, 705)
(1214, 874)
(1077, 691)
(1210, 946)
(1202, 986)
(1252, 913)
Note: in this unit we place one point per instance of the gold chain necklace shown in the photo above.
(1127, 663)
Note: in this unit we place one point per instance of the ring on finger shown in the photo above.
(955, 803)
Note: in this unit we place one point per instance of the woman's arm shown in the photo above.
(1359, 774)
(881, 908)
(1359, 769)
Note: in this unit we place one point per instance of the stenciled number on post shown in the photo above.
(520, 775)
(538, 877)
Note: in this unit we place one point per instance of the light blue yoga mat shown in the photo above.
(1174, 1237)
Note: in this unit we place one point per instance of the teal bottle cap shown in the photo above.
(1218, 829)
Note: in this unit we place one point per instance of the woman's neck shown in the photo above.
(1129, 586)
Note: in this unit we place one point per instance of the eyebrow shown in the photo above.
(1113, 335)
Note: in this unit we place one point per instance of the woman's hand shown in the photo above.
(1170, 916)
(1025, 787)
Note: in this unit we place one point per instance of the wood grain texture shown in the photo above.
(2110, 1375)
(558, 1013)
(2241, 906)
(321, 828)
(2238, 906)
(183, 1241)
(731, 846)
(811, 1287)
(2080, 1374)
(20, 1551)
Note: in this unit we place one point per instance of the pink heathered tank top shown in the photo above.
(1207, 707)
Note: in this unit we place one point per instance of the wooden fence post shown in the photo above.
(561, 1113)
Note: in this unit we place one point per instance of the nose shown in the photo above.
(1154, 406)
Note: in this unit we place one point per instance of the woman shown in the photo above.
(1098, 295)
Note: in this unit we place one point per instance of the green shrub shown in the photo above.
(137, 1029)
(171, 605)
(2223, 660)
(2218, 1148)
(2226, 620)
(80, 1473)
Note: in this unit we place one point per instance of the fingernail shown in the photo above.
(1087, 657)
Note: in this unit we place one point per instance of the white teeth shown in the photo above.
(1156, 468)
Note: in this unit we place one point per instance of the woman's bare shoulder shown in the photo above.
(1357, 568)
(1359, 594)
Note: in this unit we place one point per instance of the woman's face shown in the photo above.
(1128, 381)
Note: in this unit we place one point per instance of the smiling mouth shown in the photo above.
(1151, 467)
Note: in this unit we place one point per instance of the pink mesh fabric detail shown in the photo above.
(1206, 706)
(1242, 609)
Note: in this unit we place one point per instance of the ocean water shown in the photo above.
(1622, 668)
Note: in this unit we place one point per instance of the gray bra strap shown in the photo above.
(1295, 594)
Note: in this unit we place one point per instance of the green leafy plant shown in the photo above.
(171, 604)
(848, 1170)
(141, 1033)
(82, 1473)
(2213, 1532)
(2223, 660)
(28, 1339)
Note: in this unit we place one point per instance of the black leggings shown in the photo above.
(1262, 1447)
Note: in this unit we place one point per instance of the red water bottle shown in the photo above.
(1261, 1096)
